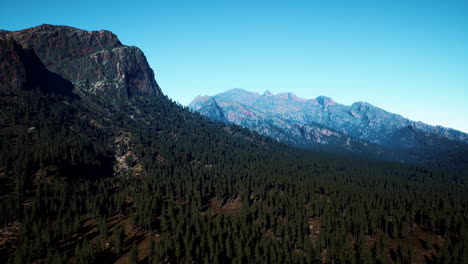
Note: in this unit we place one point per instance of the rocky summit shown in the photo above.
(322, 123)
(93, 62)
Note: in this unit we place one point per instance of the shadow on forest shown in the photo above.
(429, 260)
(422, 243)
(103, 169)
(393, 255)
(70, 243)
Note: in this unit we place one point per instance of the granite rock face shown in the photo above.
(93, 61)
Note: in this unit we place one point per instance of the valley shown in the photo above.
(97, 165)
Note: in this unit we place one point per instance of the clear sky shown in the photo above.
(408, 57)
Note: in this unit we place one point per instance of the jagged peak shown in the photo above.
(267, 93)
(325, 100)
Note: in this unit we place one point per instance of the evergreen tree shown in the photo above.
(133, 255)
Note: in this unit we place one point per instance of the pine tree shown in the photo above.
(152, 250)
(117, 235)
(102, 227)
(85, 253)
(133, 256)
(428, 242)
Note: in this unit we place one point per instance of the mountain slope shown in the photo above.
(106, 176)
(72, 101)
(321, 123)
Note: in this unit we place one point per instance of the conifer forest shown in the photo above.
(144, 180)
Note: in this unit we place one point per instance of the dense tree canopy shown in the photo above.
(91, 179)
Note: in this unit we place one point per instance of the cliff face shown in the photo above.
(13, 63)
(94, 62)
(21, 69)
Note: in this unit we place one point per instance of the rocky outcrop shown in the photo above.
(93, 61)
(212, 109)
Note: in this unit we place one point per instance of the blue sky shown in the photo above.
(408, 57)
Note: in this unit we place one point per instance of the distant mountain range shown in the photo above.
(323, 124)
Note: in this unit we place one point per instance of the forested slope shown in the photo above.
(129, 176)
(98, 181)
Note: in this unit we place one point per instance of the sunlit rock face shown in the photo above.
(93, 61)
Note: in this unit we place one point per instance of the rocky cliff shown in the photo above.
(92, 61)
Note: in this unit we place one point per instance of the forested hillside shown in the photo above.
(146, 180)
(131, 177)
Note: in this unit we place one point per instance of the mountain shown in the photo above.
(94, 62)
(97, 167)
(324, 124)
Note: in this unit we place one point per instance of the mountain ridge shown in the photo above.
(325, 120)
(324, 101)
